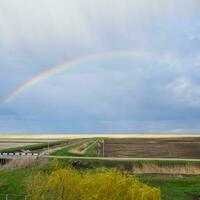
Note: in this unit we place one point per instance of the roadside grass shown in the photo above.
(34, 146)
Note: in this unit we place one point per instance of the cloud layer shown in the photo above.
(107, 95)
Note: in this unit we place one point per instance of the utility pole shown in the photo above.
(48, 148)
(103, 147)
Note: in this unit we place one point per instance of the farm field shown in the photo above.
(127, 147)
(16, 142)
(186, 147)
(11, 145)
(5, 145)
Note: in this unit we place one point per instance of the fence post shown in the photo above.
(6, 196)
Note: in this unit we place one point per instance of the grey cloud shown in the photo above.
(115, 94)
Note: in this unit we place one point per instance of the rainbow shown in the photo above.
(71, 63)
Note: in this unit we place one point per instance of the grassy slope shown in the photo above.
(12, 181)
(172, 188)
(175, 188)
(66, 151)
(126, 164)
(92, 147)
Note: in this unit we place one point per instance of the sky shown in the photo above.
(157, 91)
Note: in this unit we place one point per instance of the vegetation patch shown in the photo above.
(19, 163)
(13, 181)
(85, 148)
(131, 165)
(175, 187)
(91, 149)
(150, 168)
(69, 184)
(65, 151)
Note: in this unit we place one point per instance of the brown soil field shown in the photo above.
(153, 147)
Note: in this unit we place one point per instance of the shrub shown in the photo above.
(69, 184)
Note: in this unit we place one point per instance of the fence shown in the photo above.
(20, 197)
(18, 154)
(12, 197)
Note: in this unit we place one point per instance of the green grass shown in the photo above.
(175, 188)
(66, 150)
(12, 181)
(92, 148)
(33, 147)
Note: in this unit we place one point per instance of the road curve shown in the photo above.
(120, 159)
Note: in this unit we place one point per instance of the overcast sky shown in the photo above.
(111, 94)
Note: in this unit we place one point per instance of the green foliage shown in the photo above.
(92, 148)
(172, 188)
(69, 184)
(66, 150)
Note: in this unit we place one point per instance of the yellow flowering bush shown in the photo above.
(69, 184)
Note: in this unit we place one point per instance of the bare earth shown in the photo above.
(186, 148)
